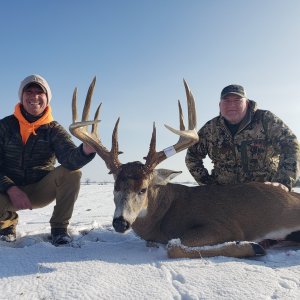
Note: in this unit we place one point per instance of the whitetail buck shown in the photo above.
(194, 221)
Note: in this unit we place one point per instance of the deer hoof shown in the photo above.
(258, 249)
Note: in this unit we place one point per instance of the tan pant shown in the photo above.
(60, 184)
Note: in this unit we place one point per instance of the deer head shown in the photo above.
(132, 180)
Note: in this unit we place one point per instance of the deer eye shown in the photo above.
(142, 191)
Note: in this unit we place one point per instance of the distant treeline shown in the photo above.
(89, 182)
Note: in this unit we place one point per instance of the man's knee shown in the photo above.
(75, 176)
(73, 173)
(72, 176)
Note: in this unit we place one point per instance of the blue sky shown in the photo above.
(141, 50)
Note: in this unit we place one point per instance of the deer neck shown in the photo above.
(148, 226)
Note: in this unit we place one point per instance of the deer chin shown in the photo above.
(142, 213)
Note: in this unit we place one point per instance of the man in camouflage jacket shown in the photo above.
(30, 143)
(245, 144)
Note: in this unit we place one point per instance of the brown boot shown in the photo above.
(8, 227)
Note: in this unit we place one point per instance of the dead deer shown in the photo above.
(197, 221)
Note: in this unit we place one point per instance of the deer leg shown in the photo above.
(206, 242)
(294, 236)
(229, 249)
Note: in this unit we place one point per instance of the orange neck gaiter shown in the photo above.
(26, 128)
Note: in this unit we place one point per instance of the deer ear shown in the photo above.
(163, 176)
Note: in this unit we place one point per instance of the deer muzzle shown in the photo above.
(120, 224)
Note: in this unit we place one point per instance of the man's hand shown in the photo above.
(18, 198)
(87, 149)
(278, 184)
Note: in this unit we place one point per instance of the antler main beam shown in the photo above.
(186, 137)
(79, 130)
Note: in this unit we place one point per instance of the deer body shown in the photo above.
(194, 221)
(207, 215)
(204, 215)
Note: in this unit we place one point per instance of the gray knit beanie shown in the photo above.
(38, 80)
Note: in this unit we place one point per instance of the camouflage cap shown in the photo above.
(233, 89)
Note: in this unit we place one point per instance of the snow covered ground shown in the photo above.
(103, 264)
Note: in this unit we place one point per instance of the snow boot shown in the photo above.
(60, 236)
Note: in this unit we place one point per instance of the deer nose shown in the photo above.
(120, 224)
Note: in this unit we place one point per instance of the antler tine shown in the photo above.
(74, 106)
(75, 126)
(115, 163)
(88, 100)
(152, 146)
(186, 137)
(153, 158)
(96, 118)
(191, 106)
(79, 130)
(192, 116)
(114, 141)
(181, 119)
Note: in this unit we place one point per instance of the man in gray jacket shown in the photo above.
(30, 143)
(245, 144)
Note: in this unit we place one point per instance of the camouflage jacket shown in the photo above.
(25, 164)
(263, 149)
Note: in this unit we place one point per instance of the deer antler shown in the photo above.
(186, 139)
(79, 130)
